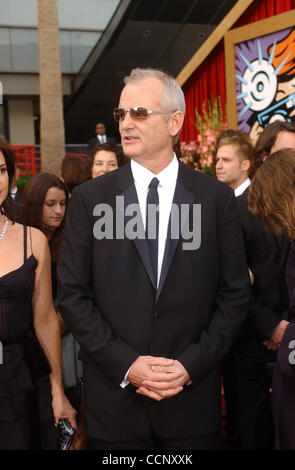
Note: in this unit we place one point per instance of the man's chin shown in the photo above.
(131, 151)
(220, 178)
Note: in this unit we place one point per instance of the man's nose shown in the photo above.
(218, 164)
(127, 122)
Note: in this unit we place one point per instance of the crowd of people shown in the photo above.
(130, 337)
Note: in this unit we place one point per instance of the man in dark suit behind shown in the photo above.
(153, 316)
(101, 137)
(234, 155)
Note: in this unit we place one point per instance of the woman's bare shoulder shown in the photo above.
(38, 241)
(37, 235)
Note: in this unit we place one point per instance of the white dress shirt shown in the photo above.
(13, 192)
(166, 188)
(102, 138)
(240, 189)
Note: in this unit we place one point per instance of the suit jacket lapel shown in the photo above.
(182, 195)
(126, 186)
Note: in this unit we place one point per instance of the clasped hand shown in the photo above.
(158, 377)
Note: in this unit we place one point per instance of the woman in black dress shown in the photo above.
(44, 207)
(272, 199)
(32, 398)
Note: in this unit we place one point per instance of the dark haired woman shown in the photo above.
(272, 199)
(104, 158)
(73, 171)
(44, 207)
(29, 403)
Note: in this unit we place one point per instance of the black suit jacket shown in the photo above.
(95, 141)
(267, 257)
(17, 205)
(108, 299)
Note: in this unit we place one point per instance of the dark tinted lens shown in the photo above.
(119, 113)
(139, 113)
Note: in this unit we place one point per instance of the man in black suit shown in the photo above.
(153, 316)
(262, 332)
(234, 155)
(101, 137)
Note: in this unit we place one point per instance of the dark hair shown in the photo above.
(34, 197)
(245, 150)
(272, 192)
(73, 171)
(9, 158)
(268, 138)
(116, 149)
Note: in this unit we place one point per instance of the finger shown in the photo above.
(163, 376)
(167, 369)
(73, 422)
(159, 395)
(160, 386)
(56, 418)
(149, 393)
(171, 392)
(160, 361)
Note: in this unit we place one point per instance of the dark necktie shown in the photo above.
(152, 224)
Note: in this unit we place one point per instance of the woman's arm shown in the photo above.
(47, 327)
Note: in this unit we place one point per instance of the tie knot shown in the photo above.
(154, 183)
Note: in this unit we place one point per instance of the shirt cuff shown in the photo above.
(125, 382)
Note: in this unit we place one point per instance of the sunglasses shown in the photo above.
(139, 113)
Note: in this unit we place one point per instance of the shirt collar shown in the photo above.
(144, 176)
(240, 189)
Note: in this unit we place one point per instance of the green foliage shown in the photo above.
(22, 181)
(212, 118)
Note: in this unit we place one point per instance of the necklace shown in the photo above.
(5, 227)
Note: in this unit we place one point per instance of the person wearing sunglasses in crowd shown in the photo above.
(30, 343)
(153, 309)
(104, 158)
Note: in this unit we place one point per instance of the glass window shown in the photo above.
(24, 49)
(65, 51)
(2, 133)
(5, 62)
(89, 14)
(82, 44)
(19, 49)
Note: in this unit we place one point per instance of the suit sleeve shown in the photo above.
(76, 300)
(267, 255)
(232, 301)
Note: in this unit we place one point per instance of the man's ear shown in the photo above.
(246, 165)
(175, 123)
